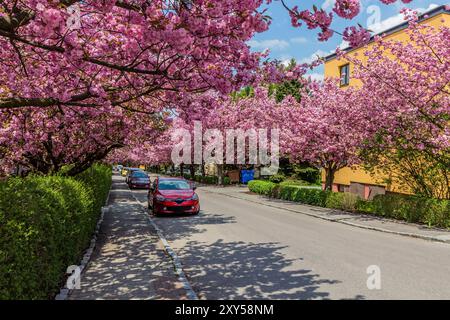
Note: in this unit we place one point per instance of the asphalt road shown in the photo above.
(236, 249)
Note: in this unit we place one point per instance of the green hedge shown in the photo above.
(262, 187)
(46, 222)
(432, 212)
(315, 197)
(277, 178)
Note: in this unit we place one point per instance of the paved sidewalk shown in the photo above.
(129, 261)
(357, 220)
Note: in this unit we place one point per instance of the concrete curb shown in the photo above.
(342, 221)
(171, 253)
(65, 292)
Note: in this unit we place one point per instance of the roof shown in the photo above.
(422, 17)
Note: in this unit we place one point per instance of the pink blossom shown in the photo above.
(347, 8)
(356, 36)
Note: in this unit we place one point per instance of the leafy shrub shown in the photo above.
(98, 180)
(309, 174)
(310, 196)
(277, 178)
(433, 212)
(45, 224)
(209, 179)
(261, 187)
(226, 181)
(292, 182)
(342, 201)
(187, 176)
(296, 193)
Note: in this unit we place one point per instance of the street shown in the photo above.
(237, 249)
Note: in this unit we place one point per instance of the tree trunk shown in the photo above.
(192, 171)
(182, 169)
(202, 167)
(220, 174)
(329, 177)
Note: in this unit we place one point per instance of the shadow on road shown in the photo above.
(128, 261)
(181, 225)
(240, 270)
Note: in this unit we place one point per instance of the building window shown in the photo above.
(344, 74)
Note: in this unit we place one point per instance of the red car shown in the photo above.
(173, 195)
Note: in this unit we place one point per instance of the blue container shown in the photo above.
(247, 175)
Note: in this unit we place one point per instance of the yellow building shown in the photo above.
(356, 180)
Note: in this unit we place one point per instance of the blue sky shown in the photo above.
(286, 42)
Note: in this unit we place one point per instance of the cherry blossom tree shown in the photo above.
(45, 141)
(325, 128)
(68, 92)
(408, 108)
(123, 50)
(322, 19)
(82, 78)
(154, 150)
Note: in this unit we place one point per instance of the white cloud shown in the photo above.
(285, 59)
(316, 76)
(344, 44)
(299, 40)
(315, 55)
(272, 44)
(393, 21)
(328, 4)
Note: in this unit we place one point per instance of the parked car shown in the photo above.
(124, 171)
(138, 179)
(129, 172)
(119, 168)
(173, 195)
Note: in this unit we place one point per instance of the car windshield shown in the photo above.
(139, 174)
(173, 185)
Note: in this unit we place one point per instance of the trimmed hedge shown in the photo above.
(310, 196)
(262, 187)
(46, 222)
(433, 212)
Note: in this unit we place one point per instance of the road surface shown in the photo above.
(237, 249)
